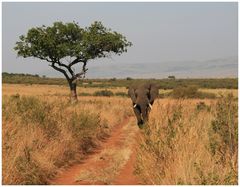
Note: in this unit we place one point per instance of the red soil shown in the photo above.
(124, 176)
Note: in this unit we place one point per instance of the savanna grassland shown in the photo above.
(191, 137)
(42, 133)
(190, 141)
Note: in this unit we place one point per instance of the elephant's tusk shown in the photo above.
(134, 106)
(150, 106)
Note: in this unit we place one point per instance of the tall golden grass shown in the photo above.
(41, 135)
(183, 143)
(190, 142)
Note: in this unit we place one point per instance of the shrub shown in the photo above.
(122, 94)
(205, 95)
(190, 92)
(225, 127)
(202, 106)
(29, 172)
(223, 138)
(129, 78)
(32, 111)
(185, 92)
(164, 95)
(113, 79)
(84, 94)
(171, 77)
(106, 93)
(84, 124)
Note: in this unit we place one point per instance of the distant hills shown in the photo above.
(214, 68)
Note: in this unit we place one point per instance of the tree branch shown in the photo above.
(78, 59)
(74, 77)
(66, 66)
(82, 73)
(60, 70)
(75, 61)
(44, 58)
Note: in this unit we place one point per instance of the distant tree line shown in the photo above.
(19, 74)
(228, 83)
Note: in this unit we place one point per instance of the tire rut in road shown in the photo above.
(112, 163)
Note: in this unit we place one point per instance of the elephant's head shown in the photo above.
(143, 97)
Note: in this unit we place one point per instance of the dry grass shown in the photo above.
(45, 133)
(219, 92)
(117, 159)
(42, 134)
(176, 146)
(50, 90)
(55, 90)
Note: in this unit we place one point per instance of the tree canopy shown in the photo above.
(65, 44)
(55, 43)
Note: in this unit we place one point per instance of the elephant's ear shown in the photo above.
(153, 92)
(132, 94)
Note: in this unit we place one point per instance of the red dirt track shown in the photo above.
(112, 163)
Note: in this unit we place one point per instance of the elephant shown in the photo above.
(143, 97)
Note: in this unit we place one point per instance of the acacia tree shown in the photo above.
(64, 46)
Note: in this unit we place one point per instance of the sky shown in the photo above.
(160, 33)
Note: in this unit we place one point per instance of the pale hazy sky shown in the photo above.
(159, 32)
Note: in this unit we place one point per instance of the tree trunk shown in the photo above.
(73, 90)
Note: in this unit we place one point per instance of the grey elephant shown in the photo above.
(143, 97)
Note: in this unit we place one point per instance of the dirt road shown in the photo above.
(112, 163)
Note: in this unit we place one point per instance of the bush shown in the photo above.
(32, 111)
(84, 124)
(171, 77)
(113, 79)
(223, 137)
(202, 106)
(190, 92)
(205, 95)
(225, 127)
(84, 94)
(185, 92)
(129, 78)
(106, 93)
(122, 94)
(29, 172)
